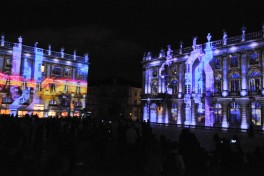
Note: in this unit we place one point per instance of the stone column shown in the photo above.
(160, 85)
(224, 37)
(149, 80)
(262, 114)
(244, 71)
(187, 114)
(83, 100)
(224, 110)
(166, 114)
(225, 77)
(180, 51)
(180, 94)
(193, 120)
(145, 112)
(262, 66)
(163, 85)
(179, 108)
(243, 36)
(2, 40)
(243, 107)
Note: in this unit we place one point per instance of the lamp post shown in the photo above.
(148, 102)
(72, 104)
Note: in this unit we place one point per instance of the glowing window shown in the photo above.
(256, 113)
(254, 73)
(235, 76)
(56, 70)
(52, 102)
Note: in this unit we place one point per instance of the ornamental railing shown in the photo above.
(219, 43)
(30, 49)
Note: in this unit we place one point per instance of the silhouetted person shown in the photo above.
(173, 164)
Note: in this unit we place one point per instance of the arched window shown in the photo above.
(174, 86)
(234, 82)
(256, 113)
(218, 114)
(78, 88)
(79, 74)
(254, 80)
(7, 99)
(53, 102)
(24, 85)
(154, 87)
(153, 113)
(155, 72)
(174, 112)
(39, 86)
(52, 87)
(218, 83)
(234, 117)
(200, 113)
(78, 103)
(56, 70)
(65, 101)
(174, 69)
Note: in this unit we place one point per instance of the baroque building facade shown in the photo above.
(43, 82)
(217, 84)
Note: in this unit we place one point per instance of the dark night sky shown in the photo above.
(117, 33)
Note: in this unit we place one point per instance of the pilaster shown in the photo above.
(244, 70)
(179, 106)
(243, 106)
(224, 109)
(225, 77)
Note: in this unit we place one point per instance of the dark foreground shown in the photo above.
(80, 147)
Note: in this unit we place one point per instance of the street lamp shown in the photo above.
(148, 102)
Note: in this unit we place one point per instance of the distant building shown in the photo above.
(218, 84)
(39, 81)
(114, 98)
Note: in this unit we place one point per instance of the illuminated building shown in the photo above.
(42, 82)
(218, 84)
(113, 98)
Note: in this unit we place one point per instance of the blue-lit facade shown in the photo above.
(217, 84)
(41, 81)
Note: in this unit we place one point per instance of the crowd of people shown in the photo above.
(86, 146)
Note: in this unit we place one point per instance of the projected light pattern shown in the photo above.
(216, 83)
(32, 82)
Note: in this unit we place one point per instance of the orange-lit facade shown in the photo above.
(43, 82)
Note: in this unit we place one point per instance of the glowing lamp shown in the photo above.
(216, 51)
(243, 92)
(262, 92)
(42, 68)
(233, 48)
(224, 93)
(253, 44)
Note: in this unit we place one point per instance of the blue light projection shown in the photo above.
(198, 74)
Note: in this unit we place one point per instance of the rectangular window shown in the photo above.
(234, 61)
(218, 87)
(235, 85)
(253, 58)
(217, 63)
(188, 89)
(154, 73)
